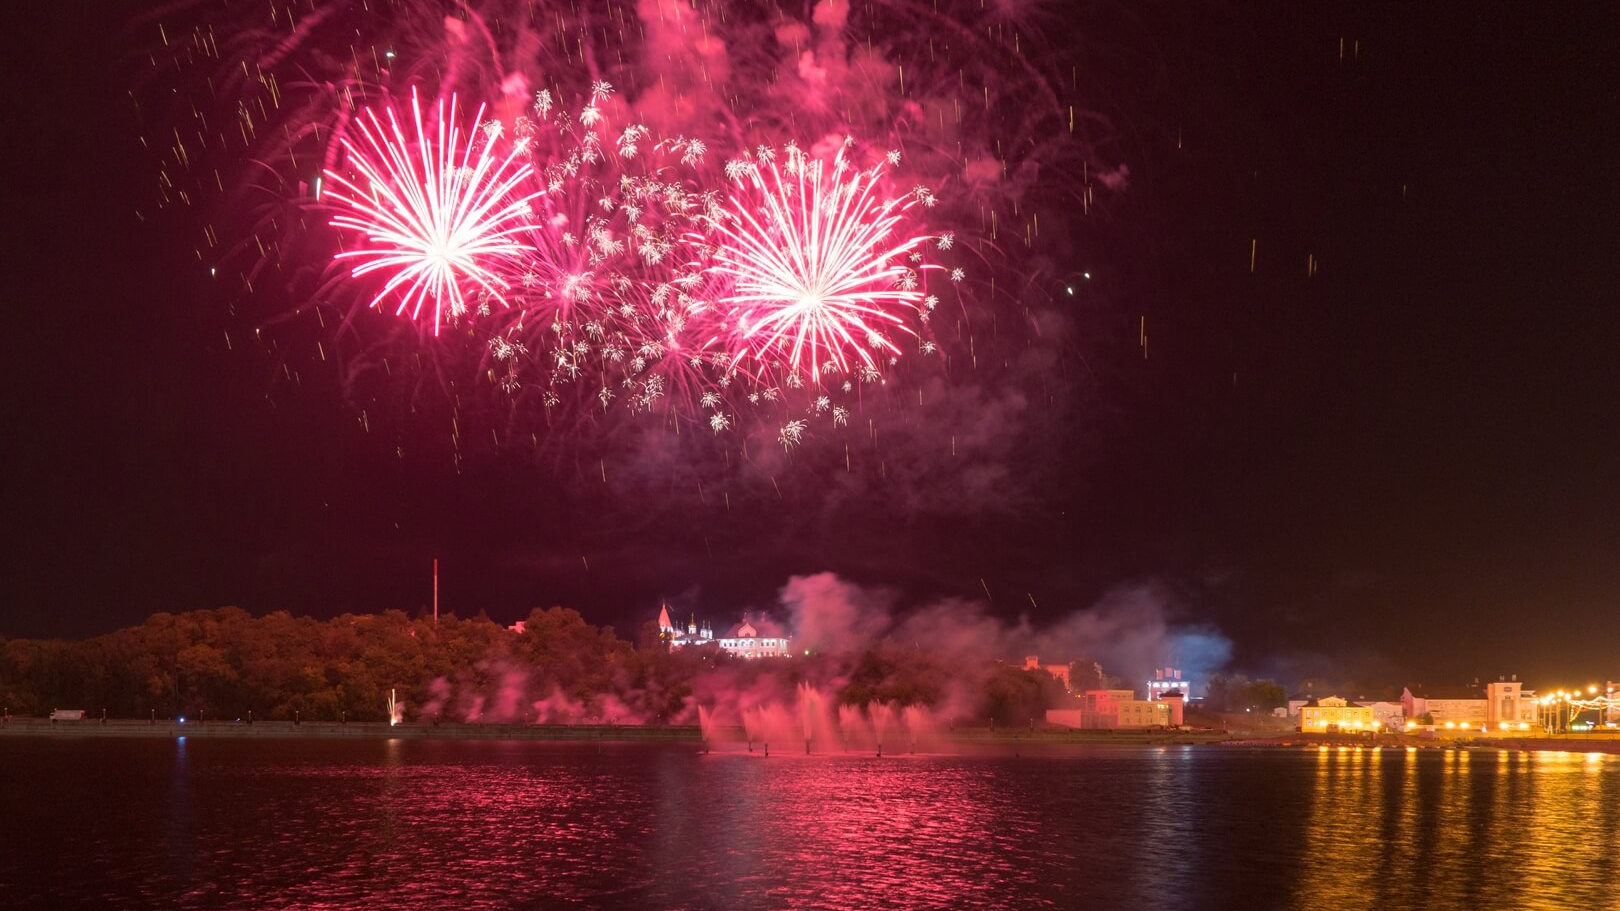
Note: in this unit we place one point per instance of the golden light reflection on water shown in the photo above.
(1460, 829)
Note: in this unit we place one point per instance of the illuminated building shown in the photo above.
(1168, 679)
(694, 634)
(755, 639)
(1386, 705)
(1389, 713)
(1456, 704)
(1060, 671)
(1332, 714)
(1112, 710)
(1176, 700)
(748, 639)
(1299, 701)
(1507, 702)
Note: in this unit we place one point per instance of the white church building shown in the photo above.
(751, 638)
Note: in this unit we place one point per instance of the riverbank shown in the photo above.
(360, 730)
(1565, 743)
(722, 736)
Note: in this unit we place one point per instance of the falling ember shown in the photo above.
(816, 266)
(440, 213)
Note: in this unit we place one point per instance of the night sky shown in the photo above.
(1405, 467)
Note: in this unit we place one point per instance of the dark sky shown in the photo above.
(1405, 467)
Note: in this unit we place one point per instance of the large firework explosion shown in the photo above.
(439, 226)
(762, 223)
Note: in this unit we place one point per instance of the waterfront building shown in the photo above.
(1386, 705)
(756, 638)
(1298, 701)
(1457, 704)
(1389, 713)
(1112, 710)
(1508, 705)
(1335, 713)
(1176, 700)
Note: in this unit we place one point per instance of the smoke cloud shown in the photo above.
(1133, 629)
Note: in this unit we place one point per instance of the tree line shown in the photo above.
(1237, 693)
(224, 664)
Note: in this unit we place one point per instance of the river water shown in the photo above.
(221, 824)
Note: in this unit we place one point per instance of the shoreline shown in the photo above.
(356, 730)
(725, 738)
(1556, 743)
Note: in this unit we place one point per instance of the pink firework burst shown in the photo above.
(817, 265)
(439, 213)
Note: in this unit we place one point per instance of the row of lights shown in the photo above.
(1357, 725)
(1466, 726)
(1451, 725)
(1575, 695)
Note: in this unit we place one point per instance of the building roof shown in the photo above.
(1375, 694)
(1464, 691)
(1317, 703)
(763, 629)
(663, 618)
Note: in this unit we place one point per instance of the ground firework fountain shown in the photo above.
(882, 715)
(807, 708)
(808, 718)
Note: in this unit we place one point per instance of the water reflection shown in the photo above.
(1459, 829)
(395, 823)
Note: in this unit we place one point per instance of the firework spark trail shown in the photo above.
(440, 226)
(816, 271)
(618, 292)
